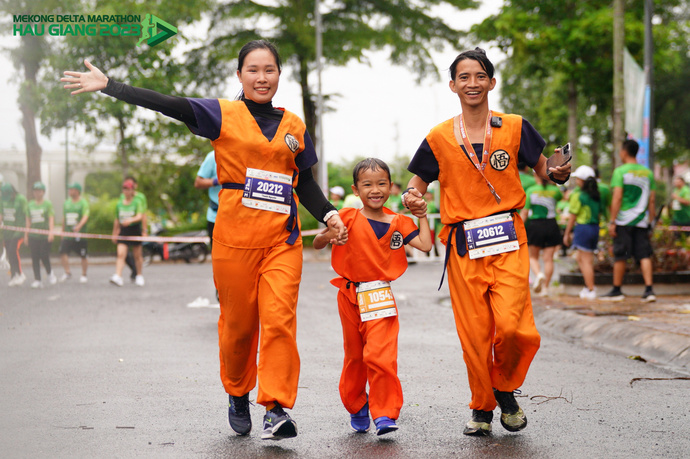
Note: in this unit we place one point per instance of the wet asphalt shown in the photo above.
(93, 370)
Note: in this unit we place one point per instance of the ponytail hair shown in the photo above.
(592, 189)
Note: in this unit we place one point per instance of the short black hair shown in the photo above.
(476, 54)
(373, 164)
(632, 147)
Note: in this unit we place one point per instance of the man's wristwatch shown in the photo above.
(555, 180)
(402, 196)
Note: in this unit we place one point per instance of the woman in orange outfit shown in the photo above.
(264, 157)
(474, 157)
(373, 257)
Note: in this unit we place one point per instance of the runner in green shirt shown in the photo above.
(586, 209)
(632, 218)
(76, 211)
(681, 203)
(128, 222)
(543, 233)
(138, 195)
(14, 211)
(41, 217)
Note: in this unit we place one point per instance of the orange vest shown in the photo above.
(464, 193)
(242, 145)
(365, 257)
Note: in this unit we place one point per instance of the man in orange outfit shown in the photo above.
(474, 156)
(373, 257)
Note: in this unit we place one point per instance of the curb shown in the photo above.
(662, 348)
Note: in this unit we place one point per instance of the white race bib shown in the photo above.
(267, 190)
(375, 300)
(490, 235)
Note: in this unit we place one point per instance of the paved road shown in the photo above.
(99, 371)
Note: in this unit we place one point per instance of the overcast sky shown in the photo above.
(381, 110)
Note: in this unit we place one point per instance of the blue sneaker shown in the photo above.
(278, 424)
(238, 415)
(360, 420)
(384, 425)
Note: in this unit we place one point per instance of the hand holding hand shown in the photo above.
(91, 81)
(337, 224)
(415, 202)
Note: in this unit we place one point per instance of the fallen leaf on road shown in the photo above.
(636, 357)
(634, 318)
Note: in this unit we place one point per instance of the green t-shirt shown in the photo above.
(681, 212)
(637, 182)
(74, 212)
(138, 196)
(542, 200)
(587, 210)
(527, 180)
(125, 211)
(605, 193)
(14, 214)
(39, 215)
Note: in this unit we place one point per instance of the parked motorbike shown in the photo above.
(187, 251)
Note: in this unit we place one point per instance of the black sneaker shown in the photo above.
(613, 295)
(648, 296)
(480, 424)
(238, 415)
(278, 424)
(512, 416)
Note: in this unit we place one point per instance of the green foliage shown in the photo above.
(101, 218)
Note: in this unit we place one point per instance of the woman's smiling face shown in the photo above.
(259, 76)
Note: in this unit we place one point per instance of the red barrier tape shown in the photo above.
(162, 239)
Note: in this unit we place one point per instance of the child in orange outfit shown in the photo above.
(372, 258)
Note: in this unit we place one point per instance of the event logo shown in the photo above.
(152, 29)
(153, 23)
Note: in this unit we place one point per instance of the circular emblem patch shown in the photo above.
(291, 142)
(499, 160)
(396, 240)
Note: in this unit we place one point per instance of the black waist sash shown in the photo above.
(461, 241)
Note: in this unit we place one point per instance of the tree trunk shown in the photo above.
(618, 83)
(308, 104)
(572, 120)
(309, 107)
(30, 56)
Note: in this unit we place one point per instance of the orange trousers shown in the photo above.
(258, 291)
(493, 316)
(371, 354)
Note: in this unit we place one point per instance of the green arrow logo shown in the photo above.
(162, 29)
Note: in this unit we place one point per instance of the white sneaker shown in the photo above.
(83, 280)
(117, 280)
(13, 281)
(65, 276)
(539, 282)
(587, 294)
(52, 278)
(20, 279)
(544, 292)
(139, 280)
(37, 284)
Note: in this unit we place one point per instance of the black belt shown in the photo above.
(292, 225)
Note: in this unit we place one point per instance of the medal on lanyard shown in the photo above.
(460, 126)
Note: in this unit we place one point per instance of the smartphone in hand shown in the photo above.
(560, 158)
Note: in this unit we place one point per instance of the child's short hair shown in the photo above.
(373, 164)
